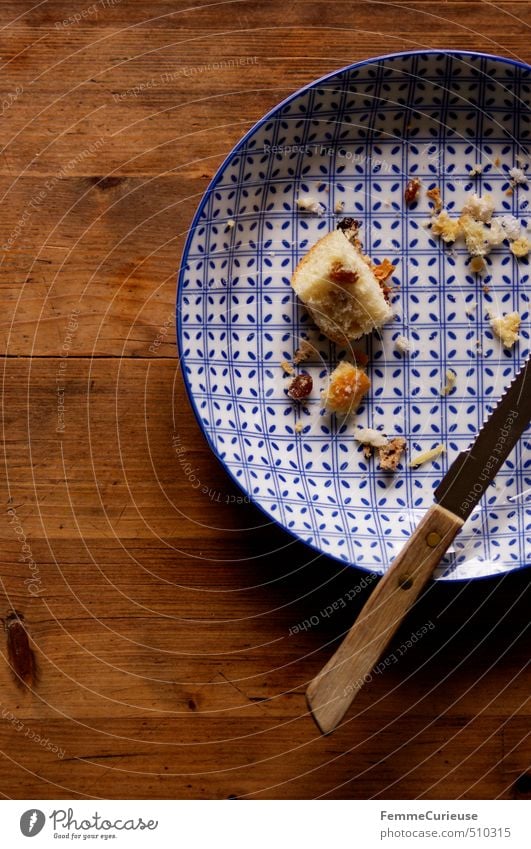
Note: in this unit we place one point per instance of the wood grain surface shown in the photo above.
(173, 631)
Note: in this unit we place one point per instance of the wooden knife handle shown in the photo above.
(332, 691)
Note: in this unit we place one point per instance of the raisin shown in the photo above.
(342, 276)
(412, 190)
(300, 387)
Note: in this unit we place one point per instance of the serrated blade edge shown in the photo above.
(474, 469)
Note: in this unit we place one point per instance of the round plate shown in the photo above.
(354, 139)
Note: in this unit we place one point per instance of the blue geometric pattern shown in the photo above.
(358, 136)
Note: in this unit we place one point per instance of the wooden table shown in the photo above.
(162, 617)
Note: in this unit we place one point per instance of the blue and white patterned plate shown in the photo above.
(356, 137)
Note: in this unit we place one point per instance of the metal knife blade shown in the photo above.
(474, 469)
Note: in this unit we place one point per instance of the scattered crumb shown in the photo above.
(451, 379)
(286, 367)
(383, 270)
(496, 234)
(445, 227)
(370, 439)
(497, 162)
(346, 389)
(230, 224)
(510, 226)
(339, 207)
(518, 176)
(477, 265)
(481, 231)
(476, 170)
(370, 436)
(476, 235)
(403, 344)
(472, 308)
(427, 456)
(509, 192)
(486, 289)
(520, 247)
(303, 352)
(298, 427)
(480, 208)
(391, 453)
(435, 195)
(310, 204)
(506, 328)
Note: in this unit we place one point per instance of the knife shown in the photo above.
(330, 694)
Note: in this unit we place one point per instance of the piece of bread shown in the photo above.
(346, 387)
(338, 287)
(390, 454)
(506, 327)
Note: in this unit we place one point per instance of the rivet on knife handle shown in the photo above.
(330, 694)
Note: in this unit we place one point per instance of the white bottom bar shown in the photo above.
(266, 824)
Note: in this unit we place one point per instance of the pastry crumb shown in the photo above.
(451, 379)
(510, 226)
(310, 204)
(476, 235)
(383, 270)
(480, 208)
(286, 367)
(496, 233)
(427, 456)
(403, 344)
(506, 328)
(476, 170)
(230, 224)
(435, 196)
(346, 389)
(447, 228)
(303, 352)
(391, 453)
(518, 176)
(520, 247)
(370, 436)
(481, 231)
(339, 207)
(299, 427)
(478, 264)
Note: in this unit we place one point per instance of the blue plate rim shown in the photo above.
(186, 249)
